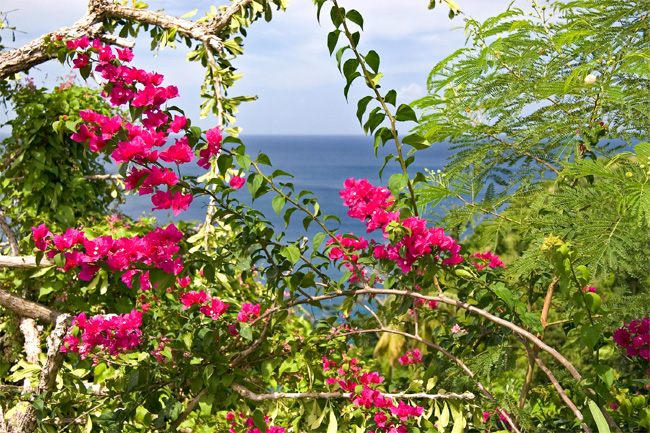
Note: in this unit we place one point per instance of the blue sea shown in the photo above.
(319, 163)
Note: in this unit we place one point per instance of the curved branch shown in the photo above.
(250, 395)
(36, 52)
(556, 384)
(9, 234)
(24, 262)
(27, 308)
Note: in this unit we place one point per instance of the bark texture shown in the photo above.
(91, 25)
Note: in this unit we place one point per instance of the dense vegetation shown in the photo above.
(510, 291)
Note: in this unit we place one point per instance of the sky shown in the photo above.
(286, 62)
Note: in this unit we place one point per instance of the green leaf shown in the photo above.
(606, 373)
(505, 294)
(263, 158)
(318, 240)
(278, 204)
(225, 162)
(533, 321)
(291, 252)
(245, 331)
(397, 182)
(590, 334)
(601, 423)
(372, 59)
(374, 120)
(405, 113)
(133, 380)
(254, 182)
(65, 215)
(334, 15)
(593, 301)
(259, 420)
(349, 67)
(332, 39)
(333, 425)
(361, 107)
(416, 141)
(391, 97)
(355, 17)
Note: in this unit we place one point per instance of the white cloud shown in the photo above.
(286, 61)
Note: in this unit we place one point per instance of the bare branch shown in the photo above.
(532, 354)
(190, 407)
(104, 177)
(9, 234)
(27, 308)
(32, 345)
(252, 347)
(24, 262)
(55, 356)
(35, 52)
(246, 393)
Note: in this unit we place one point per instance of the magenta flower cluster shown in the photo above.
(371, 204)
(347, 248)
(143, 91)
(248, 425)
(414, 357)
(101, 335)
(388, 416)
(488, 260)
(635, 338)
(214, 308)
(158, 249)
(248, 312)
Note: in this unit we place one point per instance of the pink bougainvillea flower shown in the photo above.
(237, 182)
(178, 202)
(177, 124)
(179, 153)
(193, 297)
(457, 329)
(39, 234)
(489, 260)
(215, 309)
(125, 55)
(248, 312)
(110, 335)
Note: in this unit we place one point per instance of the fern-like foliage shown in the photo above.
(542, 109)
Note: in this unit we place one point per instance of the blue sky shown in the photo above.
(286, 63)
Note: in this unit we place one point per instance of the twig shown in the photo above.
(24, 262)
(246, 393)
(190, 407)
(26, 308)
(244, 353)
(533, 355)
(9, 234)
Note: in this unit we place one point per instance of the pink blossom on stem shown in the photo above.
(248, 312)
(237, 182)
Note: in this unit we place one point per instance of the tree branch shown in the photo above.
(255, 345)
(35, 52)
(250, 395)
(9, 234)
(190, 407)
(24, 262)
(533, 355)
(26, 308)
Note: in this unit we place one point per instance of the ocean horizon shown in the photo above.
(319, 163)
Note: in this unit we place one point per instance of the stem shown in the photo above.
(246, 393)
(382, 101)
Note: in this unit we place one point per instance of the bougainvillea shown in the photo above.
(634, 337)
(104, 335)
